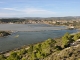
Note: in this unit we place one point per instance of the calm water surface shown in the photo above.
(29, 33)
(29, 27)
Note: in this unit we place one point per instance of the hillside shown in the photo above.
(70, 53)
(65, 48)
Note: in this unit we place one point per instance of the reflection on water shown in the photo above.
(25, 38)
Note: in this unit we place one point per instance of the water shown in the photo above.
(29, 27)
(29, 33)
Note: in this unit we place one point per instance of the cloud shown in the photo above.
(2, 14)
(9, 8)
(26, 12)
(31, 10)
(37, 11)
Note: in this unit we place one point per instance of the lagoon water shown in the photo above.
(29, 34)
(29, 27)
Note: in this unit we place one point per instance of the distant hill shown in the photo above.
(38, 18)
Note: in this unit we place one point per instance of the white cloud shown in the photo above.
(31, 10)
(7, 14)
(9, 8)
(37, 11)
(26, 12)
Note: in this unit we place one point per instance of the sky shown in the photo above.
(39, 8)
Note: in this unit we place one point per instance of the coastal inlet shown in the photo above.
(25, 34)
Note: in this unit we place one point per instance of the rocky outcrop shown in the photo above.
(4, 33)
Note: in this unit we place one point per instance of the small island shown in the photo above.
(4, 33)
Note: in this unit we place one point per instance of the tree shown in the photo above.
(24, 58)
(32, 56)
(30, 50)
(13, 56)
(37, 47)
(2, 57)
(38, 54)
(76, 36)
(65, 40)
(46, 46)
(21, 52)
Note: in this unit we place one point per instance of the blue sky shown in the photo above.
(39, 8)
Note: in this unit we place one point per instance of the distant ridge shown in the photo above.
(38, 17)
(22, 19)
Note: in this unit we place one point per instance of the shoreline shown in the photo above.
(12, 32)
